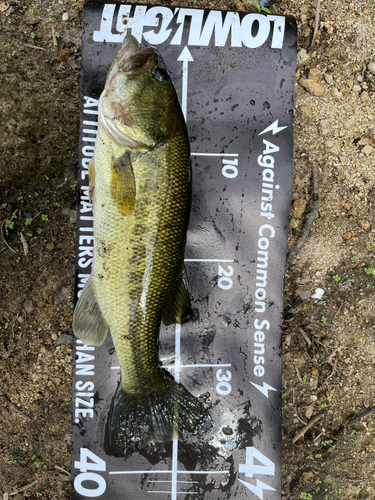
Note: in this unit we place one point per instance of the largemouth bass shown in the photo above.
(140, 186)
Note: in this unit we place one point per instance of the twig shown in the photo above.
(18, 490)
(10, 248)
(316, 25)
(304, 429)
(310, 220)
(35, 47)
(362, 416)
(62, 470)
(24, 244)
(304, 335)
(54, 40)
(298, 375)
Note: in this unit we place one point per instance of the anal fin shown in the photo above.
(180, 310)
(88, 322)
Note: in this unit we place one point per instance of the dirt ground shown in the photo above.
(329, 349)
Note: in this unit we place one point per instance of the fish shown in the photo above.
(140, 188)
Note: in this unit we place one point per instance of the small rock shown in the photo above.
(298, 208)
(367, 150)
(302, 58)
(28, 306)
(365, 141)
(324, 127)
(306, 112)
(371, 67)
(46, 4)
(347, 236)
(313, 87)
(356, 88)
(364, 224)
(293, 224)
(328, 78)
(333, 147)
(54, 336)
(65, 16)
(336, 94)
(65, 339)
(364, 96)
(309, 411)
(50, 246)
(315, 75)
(32, 20)
(303, 292)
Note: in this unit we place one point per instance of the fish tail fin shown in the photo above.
(171, 411)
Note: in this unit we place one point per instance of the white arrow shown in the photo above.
(263, 389)
(185, 57)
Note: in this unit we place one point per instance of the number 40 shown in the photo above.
(84, 465)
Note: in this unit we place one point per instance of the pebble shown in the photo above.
(303, 58)
(333, 147)
(367, 150)
(324, 127)
(65, 16)
(298, 208)
(364, 224)
(315, 75)
(28, 306)
(313, 87)
(365, 141)
(54, 336)
(371, 67)
(307, 113)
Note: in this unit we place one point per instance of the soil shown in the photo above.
(329, 348)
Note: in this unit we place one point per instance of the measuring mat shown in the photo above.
(234, 74)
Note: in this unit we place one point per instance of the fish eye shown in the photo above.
(161, 74)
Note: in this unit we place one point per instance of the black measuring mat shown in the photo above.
(234, 74)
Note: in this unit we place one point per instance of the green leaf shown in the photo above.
(267, 11)
(324, 319)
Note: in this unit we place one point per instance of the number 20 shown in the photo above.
(225, 283)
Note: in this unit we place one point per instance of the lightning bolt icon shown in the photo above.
(274, 128)
(263, 389)
(258, 489)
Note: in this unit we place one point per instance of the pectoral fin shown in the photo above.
(88, 322)
(123, 184)
(180, 310)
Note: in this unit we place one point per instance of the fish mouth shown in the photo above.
(131, 60)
